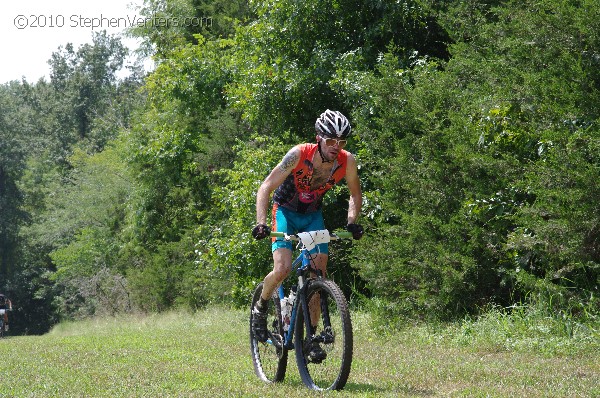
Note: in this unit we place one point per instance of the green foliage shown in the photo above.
(84, 85)
(464, 158)
(475, 130)
(287, 58)
(78, 225)
(558, 240)
(182, 135)
(86, 253)
(225, 243)
(172, 24)
(13, 151)
(537, 326)
(165, 278)
(95, 188)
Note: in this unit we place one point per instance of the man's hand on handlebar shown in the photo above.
(356, 230)
(261, 231)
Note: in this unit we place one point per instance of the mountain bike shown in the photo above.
(290, 326)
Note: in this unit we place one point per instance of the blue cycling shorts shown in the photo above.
(290, 222)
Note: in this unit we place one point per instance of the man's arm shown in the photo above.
(355, 203)
(273, 180)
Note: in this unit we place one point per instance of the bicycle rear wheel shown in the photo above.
(270, 357)
(333, 332)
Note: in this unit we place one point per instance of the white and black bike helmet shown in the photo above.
(333, 124)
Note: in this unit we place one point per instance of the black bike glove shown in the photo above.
(357, 230)
(261, 231)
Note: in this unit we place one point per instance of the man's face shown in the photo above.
(330, 147)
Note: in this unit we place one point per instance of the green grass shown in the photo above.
(207, 355)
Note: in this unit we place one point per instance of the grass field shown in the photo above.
(207, 354)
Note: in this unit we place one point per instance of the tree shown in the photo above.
(463, 154)
(80, 109)
(85, 82)
(172, 24)
(289, 59)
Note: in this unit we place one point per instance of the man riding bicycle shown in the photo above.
(5, 304)
(299, 183)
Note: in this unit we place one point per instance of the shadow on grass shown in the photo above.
(366, 388)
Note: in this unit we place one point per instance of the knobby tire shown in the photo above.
(332, 373)
(269, 358)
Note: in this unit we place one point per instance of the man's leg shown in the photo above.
(315, 305)
(282, 265)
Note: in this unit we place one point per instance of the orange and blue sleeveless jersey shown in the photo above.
(295, 192)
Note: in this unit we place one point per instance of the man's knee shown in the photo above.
(281, 273)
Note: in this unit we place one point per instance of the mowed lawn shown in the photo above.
(206, 354)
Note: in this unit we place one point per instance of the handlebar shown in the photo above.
(332, 235)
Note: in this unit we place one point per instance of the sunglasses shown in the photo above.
(334, 141)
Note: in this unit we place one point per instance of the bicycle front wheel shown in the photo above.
(330, 333)
(270, 357)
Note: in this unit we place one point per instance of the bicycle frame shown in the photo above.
(300, 265)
